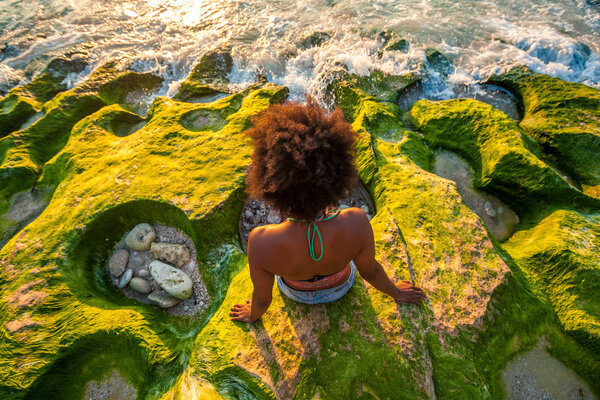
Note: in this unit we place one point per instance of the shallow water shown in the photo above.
(500, 220)
(168, 36)
(537, 375)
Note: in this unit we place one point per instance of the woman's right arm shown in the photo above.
(371, 270)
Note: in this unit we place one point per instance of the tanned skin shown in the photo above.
(282, 250)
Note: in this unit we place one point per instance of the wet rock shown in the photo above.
(314, 39)
(125, 278)
(144, 272)
(163, 300)
(392, 42)
(176, 254)
(140, 285)
(209, 77)
(141, 237)
(439, 63)
(118, 262)
(174, 281)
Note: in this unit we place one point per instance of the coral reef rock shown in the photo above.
(176, 254)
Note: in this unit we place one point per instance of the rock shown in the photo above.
(209, 77)
(174, 281)
(118, 262)
(140, 285)
(177, 254)
(125, 278)
(140, 237)
(365, 209)
(136, 261)
(439, 63)
(144, 272)
(163, 300)
(314, 39)
(273, 217)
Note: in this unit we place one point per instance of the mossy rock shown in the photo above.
(439, 63)
(504, 159)
(314, 39)
(392, 41)
(563, 117)
(23, 102)
(64, 324)
(561, 254)
(207, 78)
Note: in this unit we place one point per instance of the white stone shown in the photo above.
(174, 281)
(125, 278)
(140, 237)
(143, 272)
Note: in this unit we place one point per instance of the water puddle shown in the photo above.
(113, 387)
(24, 207)
(493, 95)
(497, 217)
(208, 98)
(537, 375)
(257, 213)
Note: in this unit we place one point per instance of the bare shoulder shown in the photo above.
(261, 245)
(356, 217)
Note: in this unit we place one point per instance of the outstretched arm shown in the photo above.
(371, 270)
(262, 281)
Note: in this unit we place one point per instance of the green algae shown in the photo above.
(506, 162)
(208, 77)
(564, 117)
(183, 165)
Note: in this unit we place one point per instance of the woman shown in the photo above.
(303, 164)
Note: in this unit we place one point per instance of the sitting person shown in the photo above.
(303, 165)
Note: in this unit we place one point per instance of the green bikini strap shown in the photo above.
(312, 226)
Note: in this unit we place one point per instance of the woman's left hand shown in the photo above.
(241, 312)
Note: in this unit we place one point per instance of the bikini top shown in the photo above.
(313, 230)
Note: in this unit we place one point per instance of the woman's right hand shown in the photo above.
(409, 293)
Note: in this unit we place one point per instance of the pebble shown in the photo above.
(365, 209)
(125, 278)
(118, 262)
(140, 237)
(273, 217)
(174, 281)
(489, 209)
(144, 272)
(176, 254)
(136, 261)
(163, 300)
(140, 285)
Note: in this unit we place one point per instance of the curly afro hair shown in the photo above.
(303, 160)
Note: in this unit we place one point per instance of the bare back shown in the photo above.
(284, 250)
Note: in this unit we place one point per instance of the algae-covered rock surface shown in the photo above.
(95, 164)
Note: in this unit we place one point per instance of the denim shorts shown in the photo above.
(318, 296)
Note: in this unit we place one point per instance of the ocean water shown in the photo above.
(167, 37)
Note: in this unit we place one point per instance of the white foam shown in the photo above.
(167, 37)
